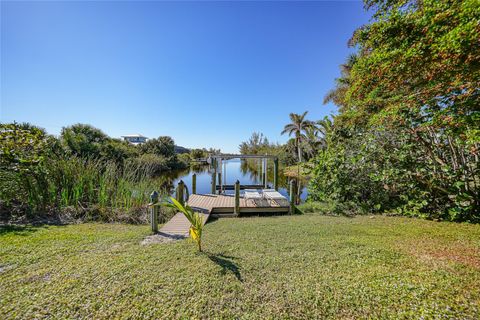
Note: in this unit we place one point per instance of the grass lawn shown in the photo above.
(292, 171)
(306, 266)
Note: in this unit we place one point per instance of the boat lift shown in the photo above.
(217, 164)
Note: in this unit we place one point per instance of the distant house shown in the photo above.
(135, 138)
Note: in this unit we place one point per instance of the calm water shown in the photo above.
(233, 170)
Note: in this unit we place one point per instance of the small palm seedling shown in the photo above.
(193, 217)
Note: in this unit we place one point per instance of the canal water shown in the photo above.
(232, 170)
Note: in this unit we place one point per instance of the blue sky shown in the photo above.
(208, 74)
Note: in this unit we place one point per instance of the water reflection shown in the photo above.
(246, 171)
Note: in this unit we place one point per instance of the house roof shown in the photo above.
(133, 136)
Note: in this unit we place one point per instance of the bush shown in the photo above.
(37, 178)
(161, 146)
(148, 164)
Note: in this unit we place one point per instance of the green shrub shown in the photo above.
(84, 175)
(149, 164)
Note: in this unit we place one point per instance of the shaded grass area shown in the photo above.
(306, 266)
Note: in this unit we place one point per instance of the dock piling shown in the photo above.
(236, 209)
(275, 174)
(220, 182)
(180, 192)
(214, 185)
(154, 211)
(194, 183)
(292, 196)
(264, 172)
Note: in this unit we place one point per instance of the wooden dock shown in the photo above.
(179, 226)
(217, 205)
(223, 204)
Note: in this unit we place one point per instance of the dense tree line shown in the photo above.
(407, 135)
(83, 169)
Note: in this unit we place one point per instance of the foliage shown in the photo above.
(406, 138)
(152, 164)
(86, 141)
(259, 144)
(198, 154)
(161, 146)
(298, 126)
(317, 207)
(180, 150)
(85, 173)
(87, 189)
(323, 268)
(193, 217)
(255, 144)
(23, 146)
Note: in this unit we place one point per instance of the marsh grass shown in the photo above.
(87, 189)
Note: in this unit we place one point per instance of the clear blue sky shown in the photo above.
(208, 74)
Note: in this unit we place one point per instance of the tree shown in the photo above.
(297, 127)
(254, 144)
(342, 84)
(324, 128)
(24, 151)
(161, 146)
(312, 141)
(83, 140)
(88, 142)
(198, 154)
(410, 97)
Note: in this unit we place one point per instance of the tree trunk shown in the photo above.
(299, 151)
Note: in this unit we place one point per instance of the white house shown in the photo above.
(135, 138)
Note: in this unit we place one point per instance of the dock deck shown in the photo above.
(217, 205)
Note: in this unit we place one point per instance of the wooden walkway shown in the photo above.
(209, 204)
(179, 226)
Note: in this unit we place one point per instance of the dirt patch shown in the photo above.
(161, 238)
(458, 252)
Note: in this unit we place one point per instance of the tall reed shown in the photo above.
(90, 188)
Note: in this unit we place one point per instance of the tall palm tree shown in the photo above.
(297, 127)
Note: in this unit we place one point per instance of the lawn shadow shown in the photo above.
(24, 226)
(227, 263)
(19, 230)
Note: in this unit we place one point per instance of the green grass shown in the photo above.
(306, 266)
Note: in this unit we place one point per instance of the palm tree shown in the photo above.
(312, 140)
(195, 219)
(324, 128)
(297, 127)
(342, 84)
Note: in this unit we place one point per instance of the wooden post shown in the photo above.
(275, 174)
(265, 185)
(214, 186)
(292, 197)
(180, 192)
(260, 163)
(264, 172)
(236, 209)
(154, 211)
(194, 183)
(220, 166)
